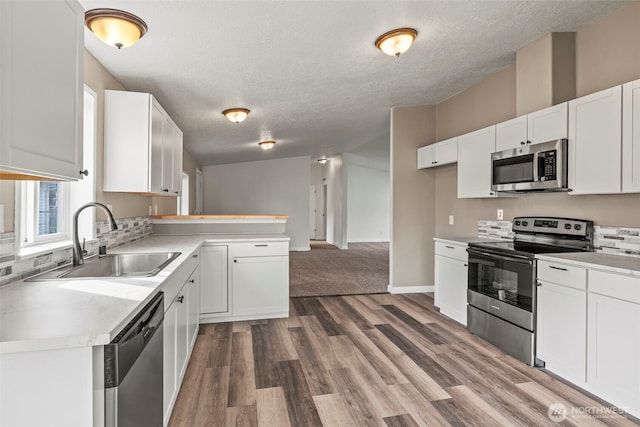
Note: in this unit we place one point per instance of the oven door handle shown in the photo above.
(493, 256)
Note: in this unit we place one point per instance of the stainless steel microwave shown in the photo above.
(535, 167)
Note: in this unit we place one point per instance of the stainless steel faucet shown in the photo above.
(78, 255)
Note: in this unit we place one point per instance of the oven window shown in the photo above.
(507, 281)
(513, 170)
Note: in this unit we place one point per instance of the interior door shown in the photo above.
(199, 191)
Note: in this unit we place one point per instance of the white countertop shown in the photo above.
(54, 314)
(466, 240)
(598, 261)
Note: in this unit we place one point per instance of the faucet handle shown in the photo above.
(84, 251)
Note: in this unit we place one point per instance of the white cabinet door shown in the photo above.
(595, 143)
(631, 137)
(176, 177)
(548, 124)
(260, 285)
(613, 371)
(447, 151)
(169, 379)
(440, 153)
(451, 287)
(156, 177)
(194, 306)
(511, 134)
(182, 332)
(213, 280)
(561, 334)
(474, 163)
(41, 88)
(427, 156)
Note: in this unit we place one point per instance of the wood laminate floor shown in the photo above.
(368, 360)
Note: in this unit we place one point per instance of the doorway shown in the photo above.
(318, 212)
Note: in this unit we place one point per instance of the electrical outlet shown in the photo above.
(155, 209)
(500, 215)
(450, 219)
(150, 210)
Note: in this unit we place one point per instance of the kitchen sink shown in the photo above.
(113, 266)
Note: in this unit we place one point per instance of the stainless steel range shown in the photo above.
(502, 280)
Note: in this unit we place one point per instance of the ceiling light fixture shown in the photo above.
(267, 145)
(396, 42)
(236, 115)
(322, 161)
(115, 27)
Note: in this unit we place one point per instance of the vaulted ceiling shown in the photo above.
(309, 71)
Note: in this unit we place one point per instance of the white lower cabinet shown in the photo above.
(180, 327)
(214, 286)
(451, 270)
(588, 330)
(562, 330)
(260, 286)
(613, 362)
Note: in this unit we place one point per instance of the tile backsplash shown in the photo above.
(14, 267)
(617, 240)
(495, 229)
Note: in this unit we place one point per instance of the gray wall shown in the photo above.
(368, 203)
(278, 186)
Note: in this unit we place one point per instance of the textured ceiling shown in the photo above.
(309, 71)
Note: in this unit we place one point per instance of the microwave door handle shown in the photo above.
(536, 169)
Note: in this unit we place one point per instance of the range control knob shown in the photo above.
(577, 227)
(525, 223)
(567, 226)
(517, 222)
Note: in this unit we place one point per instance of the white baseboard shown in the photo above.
(300, 249)
(409, 289)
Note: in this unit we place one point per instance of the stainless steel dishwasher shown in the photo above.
(133, 370)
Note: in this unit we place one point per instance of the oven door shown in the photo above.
(508, 279)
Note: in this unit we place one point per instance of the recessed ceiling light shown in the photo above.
(322, 161)
(396, 42)
(115, 27)
(267, 145)
(236, 115)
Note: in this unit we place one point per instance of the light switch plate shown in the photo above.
(450, 219)
(500, 215)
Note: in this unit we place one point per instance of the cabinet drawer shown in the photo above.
(562, 274)
(619, 286)
(259, 249)
(452, 251)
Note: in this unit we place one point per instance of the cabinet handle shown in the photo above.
(84, 172)
(166, 190)
(434, 162)
(235, 260)
(558, 268)
(466, 265)
(538, 283)
(528, 142)
(261, 246)
(192, 281)
(491, 193)
(449, 247)
(176, 192)
(180, 299)
(521, 142)
(194, 256)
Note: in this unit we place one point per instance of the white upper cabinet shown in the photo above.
(41, 88)
(595, 143)
(142, 145)
(631, 137)
(474, 163)
(438, 154)
(541, 126)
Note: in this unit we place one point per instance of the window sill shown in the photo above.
(35, 250)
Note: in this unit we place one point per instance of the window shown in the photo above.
(46, 207)
(183, 199)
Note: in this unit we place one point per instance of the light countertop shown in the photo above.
(465, 240)
(598, 261)
(54, 314)
(219, 218)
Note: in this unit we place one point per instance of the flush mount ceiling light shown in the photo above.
(396, 42)
(322, 161)
(115, 27)
(236, 115)
(267, 145)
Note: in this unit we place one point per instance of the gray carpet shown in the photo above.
(327, 270)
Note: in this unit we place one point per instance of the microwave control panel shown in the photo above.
(547, 161)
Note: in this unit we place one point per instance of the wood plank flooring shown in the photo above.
(367, 360)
